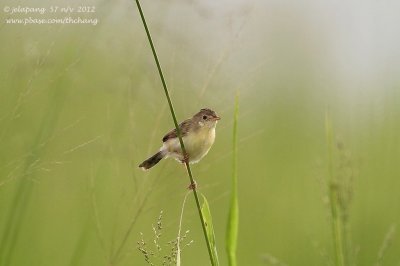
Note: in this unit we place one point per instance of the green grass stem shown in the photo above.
(177, 128)
(233, 216)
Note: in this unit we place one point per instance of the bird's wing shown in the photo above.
(184, 127)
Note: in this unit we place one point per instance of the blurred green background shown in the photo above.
(81, 106)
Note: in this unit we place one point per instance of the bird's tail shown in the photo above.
(153, 160)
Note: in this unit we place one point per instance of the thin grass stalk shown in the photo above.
(178, 239)
(177, 129)
(95, 214)
(334, 198)
(387, 242)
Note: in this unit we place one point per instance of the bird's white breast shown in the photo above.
(197, 144)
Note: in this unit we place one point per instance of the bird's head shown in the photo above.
(206, 117)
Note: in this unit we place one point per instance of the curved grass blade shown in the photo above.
(205, 210)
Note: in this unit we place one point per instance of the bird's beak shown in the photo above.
(216, 118)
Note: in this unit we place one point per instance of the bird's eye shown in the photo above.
(204, 117)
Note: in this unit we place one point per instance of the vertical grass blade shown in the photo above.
(233, 216)
(205, 210)
(334, 198)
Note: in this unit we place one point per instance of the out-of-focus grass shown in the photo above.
(334, 191)
(16, 214)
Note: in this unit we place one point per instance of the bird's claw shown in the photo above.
(185, 158)
(192, 185)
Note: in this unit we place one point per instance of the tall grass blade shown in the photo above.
(233, 216)
(205, 210)
(171, 107)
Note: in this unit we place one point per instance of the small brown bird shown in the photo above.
(198, 135)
